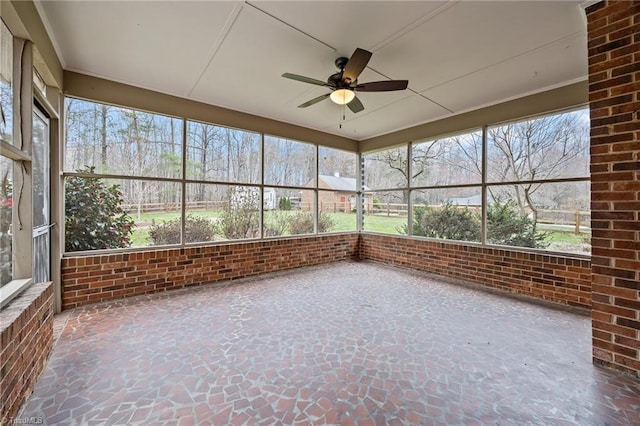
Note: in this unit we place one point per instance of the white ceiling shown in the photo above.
(457, 56)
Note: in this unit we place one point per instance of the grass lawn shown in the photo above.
(386, 224)
(559, 239)
(140, 237)
(343, 222)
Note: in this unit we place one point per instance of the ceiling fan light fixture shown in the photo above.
(342, 96)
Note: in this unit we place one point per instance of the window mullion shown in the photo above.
(483, 202)
(183, 186)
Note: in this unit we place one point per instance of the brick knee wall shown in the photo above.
(27, 338)
(554, 278)
(614, 97)
(98, 278)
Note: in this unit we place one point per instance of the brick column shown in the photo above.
(614, 98)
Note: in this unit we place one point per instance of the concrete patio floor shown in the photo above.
(344, 343)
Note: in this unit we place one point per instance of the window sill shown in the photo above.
(12, 289)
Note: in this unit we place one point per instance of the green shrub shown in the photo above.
(276, 224)
(302, 223)
(284, 203)
(446, 222)
(94, 218)
(377, 205)
(507, 226)
(240, 222)
(196, 229)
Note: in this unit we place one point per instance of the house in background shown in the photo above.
(473, 201)
(340, 195)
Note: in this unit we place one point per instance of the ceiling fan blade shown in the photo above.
(304, 79)
(355, 105)
(383, 86)
(356, 64)
(314, 101)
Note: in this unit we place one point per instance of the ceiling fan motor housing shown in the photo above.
(335, 80)
(341, 63)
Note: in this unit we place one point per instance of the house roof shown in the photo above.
(475, 200)
(340, 183)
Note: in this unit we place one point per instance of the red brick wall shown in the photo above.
(614, 97)
(558, 279)
(99, 278)
(27, 338)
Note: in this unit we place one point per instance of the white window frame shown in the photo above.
(22, 238)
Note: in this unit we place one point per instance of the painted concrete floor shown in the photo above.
(346, 343)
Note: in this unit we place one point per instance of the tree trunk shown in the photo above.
(103, 137)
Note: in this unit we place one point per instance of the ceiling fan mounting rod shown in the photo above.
(341, 63)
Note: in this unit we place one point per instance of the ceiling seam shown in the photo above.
(233, 17)
(414, 92)
(415, 24)
(537, 48)
(290, 26)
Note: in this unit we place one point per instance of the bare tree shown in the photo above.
(543, 148)
(288, 162)
(388, 169)
(333, 161)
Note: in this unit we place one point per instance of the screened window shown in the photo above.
(447, 213)
(455, 160)
(121, 141)
(16, 187)
(221, 212)
(338, 190)
(222, 154)
(536, 185)
(40, 170)
(386, 169)
(6, 84)
(6, 219)
(544, 148)
(288, 162)
(6, 163)
(386, 211)
(131, 181)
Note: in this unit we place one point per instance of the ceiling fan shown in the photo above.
(344, 84)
